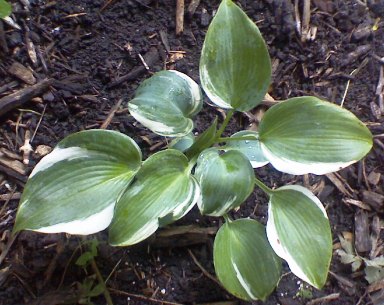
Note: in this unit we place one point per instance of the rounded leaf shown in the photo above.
(249, 147)
(307, 135)
(244, 261)
(226, 180)
(182, 143)
(74, 189)
(298, 230)
(166, 102)
(235, 67)
(163, 191)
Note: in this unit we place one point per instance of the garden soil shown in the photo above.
(75, 64)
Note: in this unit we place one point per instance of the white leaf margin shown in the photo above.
(273, 236)
(300, 168)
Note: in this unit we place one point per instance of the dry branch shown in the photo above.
(22, 96)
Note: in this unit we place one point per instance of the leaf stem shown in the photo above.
(101, 281)
(227, 218)
(261, 185)
(225, 123)
(191, 164)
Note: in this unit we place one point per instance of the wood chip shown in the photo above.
(375, 200)
(340, 184)
(22, 73)
(362, 240)
(31, 49)
(192, 7)
(42, 150)
(22, 96)
(164, 40)
(179, 17)
(357, 203)
(378, 298)
(13, 168)
(374, 178)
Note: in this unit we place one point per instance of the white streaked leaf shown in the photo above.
(182, 143)
(248, 147)
(299, 232)
(244, 261)
(166, 102)
(163, 191)
(307, 135)
(74, 189)
(226, 180)
(235, 67)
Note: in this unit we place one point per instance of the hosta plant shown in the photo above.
(97, 179)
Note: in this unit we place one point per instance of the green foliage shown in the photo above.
(86, 258)
(5, 9)
(96, 179)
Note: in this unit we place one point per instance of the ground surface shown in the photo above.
(87, 48)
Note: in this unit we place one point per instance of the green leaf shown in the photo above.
(74, 189)
(204, 141)
(298, 230)
(226, 180)
(244, 261)
(85, 258)
(248, 147)
(307, 135)
(235, 68)
(183, 143)
(5, 9)
(166, 102)
(163, 191)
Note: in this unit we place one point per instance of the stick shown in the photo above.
(22, 96)
(111, 115)
(306, 19)
(150, 57)
(192, 7)
(179, 17)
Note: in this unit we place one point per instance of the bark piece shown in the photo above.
(22, 96)
(362, 240)
(22, 73)
(179, 17)
(375, 200)
(13, 168)
(192, 7)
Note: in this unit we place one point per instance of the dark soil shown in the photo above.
(86, 46)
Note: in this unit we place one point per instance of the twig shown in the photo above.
(101, 282)
(7, 247)
(353, 73)
(306, 19)
(7, 200)
(141, 297)
(206, 273)
(38, 123)
(22, 96)
(111, 114)
(106, 4)
(150, 58)
(179, 17)
(327, 298)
